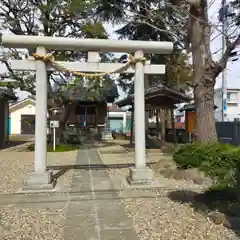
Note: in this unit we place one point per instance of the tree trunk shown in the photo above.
(205, 125)
(204, 72)
(62, 120)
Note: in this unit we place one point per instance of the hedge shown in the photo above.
(219, 161)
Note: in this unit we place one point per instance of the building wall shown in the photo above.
(16, 117)
(233, 107)
(233, 111)
(218, 103)
(118, 120)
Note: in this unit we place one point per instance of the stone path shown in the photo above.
(102, 216)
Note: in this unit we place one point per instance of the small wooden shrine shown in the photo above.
(87, 109)
(156, 98)
(190, 120)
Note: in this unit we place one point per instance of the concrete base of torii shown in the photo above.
(140, 176)
(39, 182)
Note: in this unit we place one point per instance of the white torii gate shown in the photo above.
(41, 178)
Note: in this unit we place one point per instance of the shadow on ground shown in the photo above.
(89, 144)
(222, 206)
(150, 144)
(62, 169)
(12, 144)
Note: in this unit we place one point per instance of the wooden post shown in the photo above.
(173, 128)
(163, 125)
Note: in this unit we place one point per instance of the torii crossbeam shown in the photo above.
(41, 178)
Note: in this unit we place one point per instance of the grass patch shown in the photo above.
(59, 148)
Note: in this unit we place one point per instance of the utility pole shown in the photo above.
(224, 19)
(226, 12)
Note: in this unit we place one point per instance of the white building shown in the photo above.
(119, 118)
(233, 104)
(22, 117)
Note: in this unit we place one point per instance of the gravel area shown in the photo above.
(43, 221)
(16, 165)
(161, 218)
(32, 223)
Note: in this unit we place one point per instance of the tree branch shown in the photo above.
(169, 32)
(230, 47)
(195, 3)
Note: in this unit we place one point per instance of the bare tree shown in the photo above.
(188, 25)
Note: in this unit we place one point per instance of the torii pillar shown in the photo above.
(140, 174)
(41, 178)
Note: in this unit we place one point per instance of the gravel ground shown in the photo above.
(16, 165)
(161, 218)
(38, 222)
(164, 219)
(32, 223)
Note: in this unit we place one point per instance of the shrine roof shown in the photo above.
(158, 96)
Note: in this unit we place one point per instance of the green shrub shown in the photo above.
(190, 156)
(218, 161)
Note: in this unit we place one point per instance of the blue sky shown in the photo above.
(233, 74)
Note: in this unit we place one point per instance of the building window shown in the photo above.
(232, 97)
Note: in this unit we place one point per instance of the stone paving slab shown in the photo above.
(97, 218)
(113, 234)
(114, 217)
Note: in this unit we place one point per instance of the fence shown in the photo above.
(228, 132)
(181, 135)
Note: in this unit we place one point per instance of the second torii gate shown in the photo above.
(41, 178)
